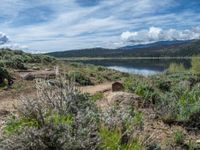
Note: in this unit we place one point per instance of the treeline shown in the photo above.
(173, 50)
(16, 58)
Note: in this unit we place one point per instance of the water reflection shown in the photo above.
(138, 66)
(145, 72)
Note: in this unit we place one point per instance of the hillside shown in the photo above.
(159, 49)
(18, 59)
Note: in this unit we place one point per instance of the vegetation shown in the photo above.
(67, 120)
(176, 67)
(143, 87)
(196, 64)
(175, 96)
(59, 117)
(17, 59)
(85, 74)
(178, 137)
(79, 78)
(97, 96)
(183, 49)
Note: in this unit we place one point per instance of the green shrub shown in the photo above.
(195, 64)
(16, 59)
(65, 120)
(118, 126)
(180, 105)
(178, 137)
(97, 96)
(174, 67)
(192, 145)
(2, 64)
(142, 87)
(163, 85)
(80, 78)
(111, 139)
(15, 125)
(4, 75)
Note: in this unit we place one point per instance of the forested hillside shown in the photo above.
(170, 50)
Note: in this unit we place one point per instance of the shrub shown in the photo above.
(4, 74)
(97, 96)
(174, 67)
(178, 137)
(195, 64)
(16, 59)
(118, 126)
(110, 139)
(2, 63)
(16, 64)
(192, 145)
(163, 85)
(80, 78)
(180, 105)
(142, 87)
(58, 118)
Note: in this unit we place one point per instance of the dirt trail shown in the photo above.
(105, 87)
(10, 97)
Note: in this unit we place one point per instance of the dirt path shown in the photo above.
(105, 87)
(10, 97)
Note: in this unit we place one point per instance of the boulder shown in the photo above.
(29, 77)
(39, 74)
(117, 86)
(35, 68)
(185, 84)
(4, 112)
(120, 98)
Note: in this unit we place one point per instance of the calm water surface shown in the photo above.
(138, 66)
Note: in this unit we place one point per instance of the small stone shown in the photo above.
(198, 141)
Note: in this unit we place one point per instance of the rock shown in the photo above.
(35, 68)
(39, 74)
(198, 85)
(185, 84)
(4, 112)
(29, 77)
(117, 86)
(47, 69)
(120, 98)
(198, 141)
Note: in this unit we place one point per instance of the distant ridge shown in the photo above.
(157, 49)
(157, 44)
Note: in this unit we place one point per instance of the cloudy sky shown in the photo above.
(54, 25)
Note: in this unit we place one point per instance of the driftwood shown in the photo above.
(40, 74)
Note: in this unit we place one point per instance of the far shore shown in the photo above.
(119, 58)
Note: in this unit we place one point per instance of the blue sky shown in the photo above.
(49, 25)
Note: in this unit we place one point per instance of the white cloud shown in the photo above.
(72, 26)
(3, 38)
(5, 42)
(14, 46)
(154, 34)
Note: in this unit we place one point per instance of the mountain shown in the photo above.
(157, 44)
(157, 49)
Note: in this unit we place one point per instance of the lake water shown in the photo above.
(138, 66)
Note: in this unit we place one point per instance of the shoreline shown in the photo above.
(119, 58)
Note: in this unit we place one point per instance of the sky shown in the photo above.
(40, 26)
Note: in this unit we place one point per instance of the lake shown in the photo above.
(137, 66)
